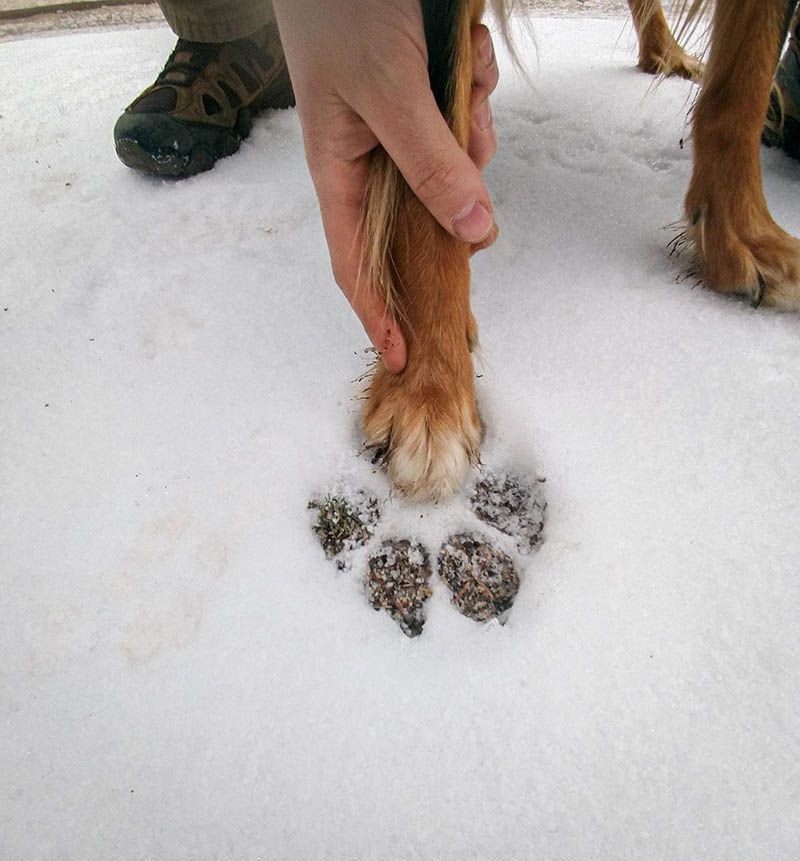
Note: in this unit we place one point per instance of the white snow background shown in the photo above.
(185, 676)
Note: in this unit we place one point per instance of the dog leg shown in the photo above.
(659, 52)
(425, 420)
(740, 248)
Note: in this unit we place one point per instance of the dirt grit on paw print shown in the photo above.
(398, 581)
(513, 506)
(344, 523)
(480, 538)
(483, 579)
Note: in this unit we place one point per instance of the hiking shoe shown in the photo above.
(202, 105)
(782, 126)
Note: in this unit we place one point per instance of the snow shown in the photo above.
(183, 673)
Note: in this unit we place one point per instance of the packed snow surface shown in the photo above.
(183, 674)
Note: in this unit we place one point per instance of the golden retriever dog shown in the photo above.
(424, 422)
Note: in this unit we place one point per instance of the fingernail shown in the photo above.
(483, 115)
(486, 50)
(473, 223)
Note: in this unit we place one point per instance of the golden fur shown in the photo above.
(740, 249)
(425, 420)
(659, 51)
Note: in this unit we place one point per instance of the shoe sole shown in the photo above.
(141, 148)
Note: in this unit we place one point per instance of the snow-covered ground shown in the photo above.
(182, 672)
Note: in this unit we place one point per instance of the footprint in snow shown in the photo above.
(498, 518)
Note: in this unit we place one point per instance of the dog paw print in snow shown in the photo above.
(480, 537)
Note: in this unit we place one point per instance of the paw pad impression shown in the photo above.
(482, 578)
(512, 506)
(344, 523)
(398, 581)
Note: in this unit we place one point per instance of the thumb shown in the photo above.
(439, 172)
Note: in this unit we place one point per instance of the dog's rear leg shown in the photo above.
(740, 248)
(659, 51)
(425, 419)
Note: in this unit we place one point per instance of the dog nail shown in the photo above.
(759, 295)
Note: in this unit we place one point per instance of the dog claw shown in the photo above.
(380, 455)
(758, 298)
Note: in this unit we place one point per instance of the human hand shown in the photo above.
(360, 76)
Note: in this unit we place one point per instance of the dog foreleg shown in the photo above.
(740, 248)
(425, 420)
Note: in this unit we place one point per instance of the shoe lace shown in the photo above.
(187, 59)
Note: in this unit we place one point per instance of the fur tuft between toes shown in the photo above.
(432, 465)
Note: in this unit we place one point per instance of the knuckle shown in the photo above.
(482, 149)
(493, 78)
(434, 180)
(478, 96)
(339, 275)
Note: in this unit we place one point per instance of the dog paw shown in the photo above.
(426, 433)
(672, 61)
(746, 254)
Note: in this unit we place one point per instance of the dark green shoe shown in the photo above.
(782, 126)
(202, 105)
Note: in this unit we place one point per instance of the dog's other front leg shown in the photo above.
(740, 248)
(659, 51)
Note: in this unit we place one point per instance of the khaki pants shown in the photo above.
(216, 20)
